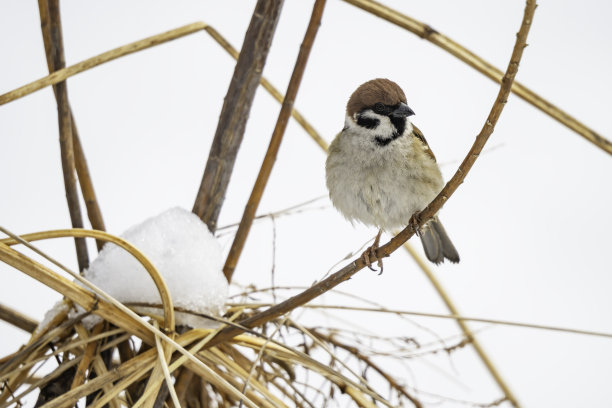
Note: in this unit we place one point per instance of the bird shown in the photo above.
(381, 172)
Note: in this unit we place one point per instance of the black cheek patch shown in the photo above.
(368, 123)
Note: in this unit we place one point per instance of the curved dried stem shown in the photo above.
(160, 284)
(428, 33)
(275, 141)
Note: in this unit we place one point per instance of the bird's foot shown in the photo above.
(371, 251)
(414, 224)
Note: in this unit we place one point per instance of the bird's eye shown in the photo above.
(379, 107)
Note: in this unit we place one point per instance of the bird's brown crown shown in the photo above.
(377, 90)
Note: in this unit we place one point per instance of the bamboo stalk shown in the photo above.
(52, 32)
(275, 141)
(235, 111)
(428, 33)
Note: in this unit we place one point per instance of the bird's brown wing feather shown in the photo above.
(419, 135)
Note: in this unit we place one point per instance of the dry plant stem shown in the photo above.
(52, 29)
(271, 90)
(275, 141)
(64, 286)
(89, 195)
(79, 376)
(113, 54)
(235, 111)
(349, 270)
(84, 178)
(17, 319)
(428, 33)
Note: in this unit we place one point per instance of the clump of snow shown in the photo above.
(58, 308)
(185, 253)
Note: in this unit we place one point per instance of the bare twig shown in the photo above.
(369, 362)
(349, 270)
(235, 111)
(52, 33)
(428, 33)
(275, 141)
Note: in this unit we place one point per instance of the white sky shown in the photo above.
(531, 222)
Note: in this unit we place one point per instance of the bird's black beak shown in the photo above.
(402, 111)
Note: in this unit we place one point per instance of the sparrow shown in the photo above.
(381, 172)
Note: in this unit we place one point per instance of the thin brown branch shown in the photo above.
(17, 319)
(235, 111)
(428, 33)
(351, 269)
(52, 34)
(275, 141)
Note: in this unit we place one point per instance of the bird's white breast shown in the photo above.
(380, 185)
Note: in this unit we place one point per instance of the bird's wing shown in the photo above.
(419, 135)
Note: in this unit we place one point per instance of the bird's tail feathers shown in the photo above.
(436, 243)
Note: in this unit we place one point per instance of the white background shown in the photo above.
(531, 222)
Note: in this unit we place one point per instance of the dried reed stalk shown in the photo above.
(17, 319)
(275, 141)
(87, 190)
(52, 33)
(235, 111)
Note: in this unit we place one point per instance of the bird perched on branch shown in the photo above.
(380, 170)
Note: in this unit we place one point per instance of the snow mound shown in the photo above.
(184, 252)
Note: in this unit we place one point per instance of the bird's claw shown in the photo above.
(371, 251)
(414, 224)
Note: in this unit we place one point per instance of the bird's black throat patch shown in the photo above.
(383, 141)
(399, 123)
